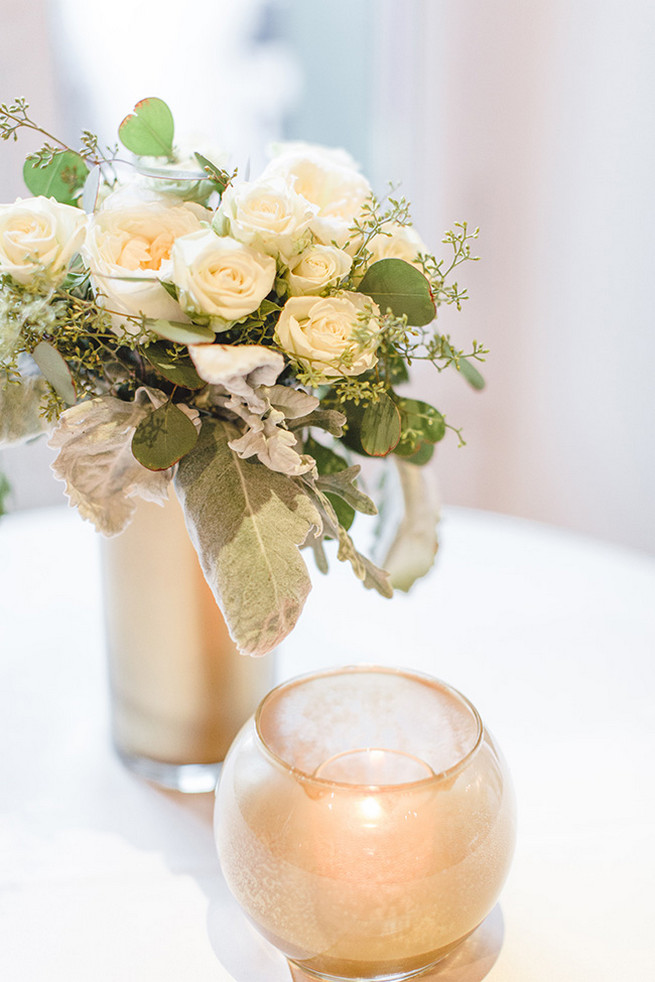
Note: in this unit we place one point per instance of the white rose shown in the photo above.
(267, 215)
(318, 332)
(128, 251)
(328, 179)
(219, 276)
(39, 236)
(397, 242)
(316, 268)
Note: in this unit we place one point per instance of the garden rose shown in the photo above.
(318, 332)
(328, 179)
(128, 251)
(267, 215)
(39, 236)
(316, 268)
(219, 276)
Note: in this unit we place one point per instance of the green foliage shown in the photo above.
(59, 174)
(175, 366)
(328, 462)
(248, 523)
(148, 131)
(397, 286)
(380, 428)
(163, 437)
(470, 373)
(421, 424)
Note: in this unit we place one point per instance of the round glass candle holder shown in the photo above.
(365, 822)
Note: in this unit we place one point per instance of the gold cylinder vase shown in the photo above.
(180, 691)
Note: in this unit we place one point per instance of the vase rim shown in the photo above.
(310, 777)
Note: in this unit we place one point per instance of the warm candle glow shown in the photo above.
(385, 841)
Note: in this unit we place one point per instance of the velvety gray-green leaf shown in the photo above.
(163, 437)
(396, 285)
(20, 417)
(330, 420)
(247, 523)
(343, 483)
(415, 544)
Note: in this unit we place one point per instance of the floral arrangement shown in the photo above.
(167, 321)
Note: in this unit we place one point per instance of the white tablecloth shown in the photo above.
(103, 877)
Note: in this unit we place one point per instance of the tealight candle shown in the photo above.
(365, 822)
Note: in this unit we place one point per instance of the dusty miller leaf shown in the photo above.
(247, 524)
(330, 420)
(20, 402)
(415, 545)
(343, 483)
(95, 460)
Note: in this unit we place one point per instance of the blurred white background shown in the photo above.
(532, 120)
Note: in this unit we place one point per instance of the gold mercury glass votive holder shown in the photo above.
(365, 822)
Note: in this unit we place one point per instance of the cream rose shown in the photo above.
(397, 242)
(219, 276)
(128, 251)
(319, 333)
(267, 215)
(316, 268)
(39, 236)
(328, 179)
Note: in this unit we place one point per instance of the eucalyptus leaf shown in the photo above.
(471, 374)
(163, 437)
(61, 178)
(381, 427)
(55, 370)
(396, 285)
(179, 332)
(247, 524)
(178, 369)
(148, 131)
(426, 422)
(423, 453)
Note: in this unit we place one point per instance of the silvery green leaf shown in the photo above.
(294, 403)
(247, 524)
(95, 460)
(20, 403)
(411, 554)
(343, 483)
(330, 420)
(371, 575)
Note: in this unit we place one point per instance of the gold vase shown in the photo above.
(180, 691)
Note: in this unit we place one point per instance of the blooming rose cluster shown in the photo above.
(286, 235)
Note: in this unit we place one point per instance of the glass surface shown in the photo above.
(365, 822)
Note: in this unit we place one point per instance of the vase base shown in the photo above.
(187, 778)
